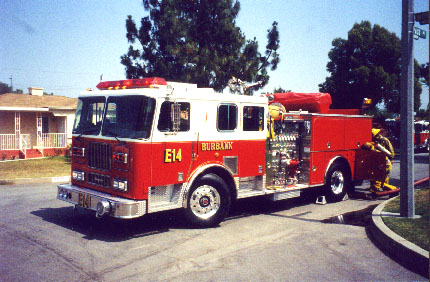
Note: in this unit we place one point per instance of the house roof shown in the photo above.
(27, 102)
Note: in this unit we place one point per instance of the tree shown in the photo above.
(5, 88)
(393, 103)
(424, 73)
(280, 90)
(424, 114)
(197, 42)
(367, 65)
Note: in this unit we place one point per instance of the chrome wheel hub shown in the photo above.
(337, 182)
(205, 201)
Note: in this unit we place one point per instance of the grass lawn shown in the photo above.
(413, 230)
(46, 167)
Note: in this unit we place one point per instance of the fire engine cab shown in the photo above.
(146, 145)
(421, 135)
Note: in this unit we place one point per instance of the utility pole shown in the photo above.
(407, 204)
(11, 84)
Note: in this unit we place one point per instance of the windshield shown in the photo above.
(129, 117)
(89, 115)
(421, 127)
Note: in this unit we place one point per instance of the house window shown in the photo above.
(165, 120)
(253, 118)
(45, 124)
(227, 117)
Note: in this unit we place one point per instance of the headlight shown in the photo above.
(78, 175)
(120, 184)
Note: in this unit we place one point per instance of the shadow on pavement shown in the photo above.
(115, 230)
(262, 205)
(110, 229)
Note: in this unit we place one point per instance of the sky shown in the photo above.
(65, 46)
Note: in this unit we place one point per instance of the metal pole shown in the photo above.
(407, 205)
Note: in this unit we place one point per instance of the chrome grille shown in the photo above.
(99, 156)
(99, 179)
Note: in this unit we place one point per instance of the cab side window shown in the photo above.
(165, 123)
(253, 118)
(227, 117)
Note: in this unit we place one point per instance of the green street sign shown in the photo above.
(419, 33)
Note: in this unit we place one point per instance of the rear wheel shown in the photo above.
(338, 182)
(208, 201)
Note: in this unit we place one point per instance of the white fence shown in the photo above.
(54, 140)
(49, 140)
(7, 142)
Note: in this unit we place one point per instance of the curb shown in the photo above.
(403, 251)
(55, 179)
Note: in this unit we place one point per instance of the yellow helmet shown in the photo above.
(375, 131)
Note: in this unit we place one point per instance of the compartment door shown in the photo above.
(369, 165)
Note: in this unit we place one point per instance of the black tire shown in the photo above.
(208, 201)
(338, 182)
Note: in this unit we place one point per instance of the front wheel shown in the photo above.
(208, 201)
(338, 182)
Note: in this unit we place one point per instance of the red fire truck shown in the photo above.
(421, 135)
(146, 145)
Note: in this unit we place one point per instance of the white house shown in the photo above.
(35, 125)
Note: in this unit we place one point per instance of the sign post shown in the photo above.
(407, 204)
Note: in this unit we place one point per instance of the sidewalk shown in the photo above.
(403, 251)
(54, 179)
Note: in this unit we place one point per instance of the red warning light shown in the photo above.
(149, 82)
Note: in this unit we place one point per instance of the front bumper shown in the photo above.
(88, 199)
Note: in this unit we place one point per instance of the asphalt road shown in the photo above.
(43, 239)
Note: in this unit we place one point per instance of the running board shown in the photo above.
(284, 195)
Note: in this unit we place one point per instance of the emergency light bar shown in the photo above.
(149, 82)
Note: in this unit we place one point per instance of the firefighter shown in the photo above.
(382, 144)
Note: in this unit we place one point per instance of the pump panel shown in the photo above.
(284, 154)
